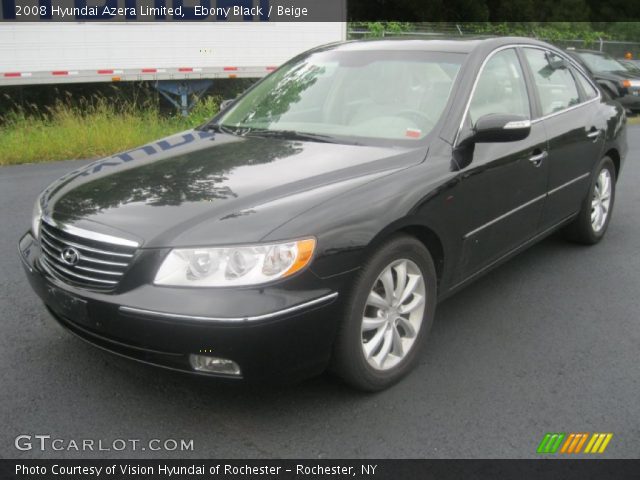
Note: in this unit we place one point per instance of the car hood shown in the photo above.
(199, 188)
(616, 76)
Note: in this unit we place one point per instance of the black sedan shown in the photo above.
(318, 219)
(618, 80)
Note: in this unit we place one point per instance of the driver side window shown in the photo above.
(501, 88)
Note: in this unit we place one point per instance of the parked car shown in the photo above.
(317, 221)
(615, 78)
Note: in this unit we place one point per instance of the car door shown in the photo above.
(570, 114)
(503, 186)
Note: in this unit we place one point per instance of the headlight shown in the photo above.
(234, 266)
(36, 218)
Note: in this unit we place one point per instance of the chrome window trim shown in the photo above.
(568, 109)
(91, 235)
(266, 316)
(582, 71)
(524, 205)
(537, 47)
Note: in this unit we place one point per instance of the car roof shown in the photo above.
(449, 45)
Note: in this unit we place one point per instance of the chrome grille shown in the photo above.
(82, 261)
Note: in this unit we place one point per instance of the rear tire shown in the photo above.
(387, 315)
(591, 223)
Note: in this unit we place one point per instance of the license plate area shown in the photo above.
(67, 305)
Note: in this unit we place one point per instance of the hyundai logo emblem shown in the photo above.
(70, 256)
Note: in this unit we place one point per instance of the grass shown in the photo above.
(91, 128)
(95, 127)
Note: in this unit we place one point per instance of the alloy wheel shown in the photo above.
(393, 314)
(601, 201)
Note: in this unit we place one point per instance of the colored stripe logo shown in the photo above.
(598, 443)
(574, 443)
(550, 443)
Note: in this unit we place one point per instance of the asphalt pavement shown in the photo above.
(548, 342)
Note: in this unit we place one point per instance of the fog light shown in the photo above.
(205, 363)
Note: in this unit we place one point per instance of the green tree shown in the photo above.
(629, 31)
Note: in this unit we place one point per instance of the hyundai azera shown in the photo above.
(318, 219)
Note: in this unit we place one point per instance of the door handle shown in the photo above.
(593, 134)
(538, 158)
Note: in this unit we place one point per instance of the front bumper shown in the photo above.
(284, 330)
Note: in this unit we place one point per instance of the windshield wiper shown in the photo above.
(218, 127)
(288, 134)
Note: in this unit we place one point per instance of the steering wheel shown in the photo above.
(417, 117)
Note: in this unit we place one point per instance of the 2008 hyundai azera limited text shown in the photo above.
(317, 220)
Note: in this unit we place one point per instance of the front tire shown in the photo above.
(591, 223)
(388, 314)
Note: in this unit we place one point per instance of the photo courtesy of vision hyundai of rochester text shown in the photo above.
(318, 219)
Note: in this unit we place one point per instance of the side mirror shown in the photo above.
(226, 103)
(492, 128)
(498, 127)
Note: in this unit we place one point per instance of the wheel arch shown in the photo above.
(614, 155)
(424, 233)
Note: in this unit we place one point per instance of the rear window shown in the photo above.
(589, 90)
(556, 87)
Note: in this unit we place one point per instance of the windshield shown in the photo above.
(601, 63)
(632, 67)
(365, 96)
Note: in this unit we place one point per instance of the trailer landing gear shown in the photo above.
(183, 94)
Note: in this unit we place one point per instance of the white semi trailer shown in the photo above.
(63, 52)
